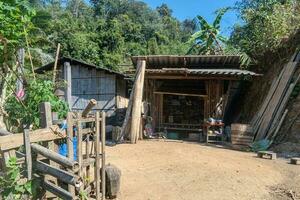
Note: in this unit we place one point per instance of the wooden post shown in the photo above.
(71, 188)
(89, 107)
(103, 133)
(46, 122)
(62, 175)
(97, 152)
(61, 193)
(28, 153)
(137, 101)
(53, 156)
(45, 115)
(79, 148)
(68, 79)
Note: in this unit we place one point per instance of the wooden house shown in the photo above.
(86, 81)
(182, 92)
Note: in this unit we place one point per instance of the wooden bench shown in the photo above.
(295, 161)
(270, 154)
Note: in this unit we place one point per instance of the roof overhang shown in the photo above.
(63, 59)
(189, 61)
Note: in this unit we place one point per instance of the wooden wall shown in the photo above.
(89, 83)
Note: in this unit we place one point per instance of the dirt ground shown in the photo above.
(154, 170)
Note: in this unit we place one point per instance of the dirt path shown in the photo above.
(154, 170)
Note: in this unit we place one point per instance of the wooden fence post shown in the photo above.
(97, 152)
(103, 132)
(28, 157)
(70, 138)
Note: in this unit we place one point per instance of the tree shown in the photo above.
(208, 39)
(164, 10)
(266, 25)
(15, 16)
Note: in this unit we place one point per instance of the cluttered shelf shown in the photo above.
(183, 127)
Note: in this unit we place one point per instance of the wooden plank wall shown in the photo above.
(89, 83)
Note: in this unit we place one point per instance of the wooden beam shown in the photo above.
(103, 140)
(41, 135)
(58, 191)
(62, 160)
(60, 174)
(97, 152)
(89, 107)
(28, 157)
(137, 101)
(182, 77)
(68, 79)
(45, 115)
(70, 147)
(182, 94)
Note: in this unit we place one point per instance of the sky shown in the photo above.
(183, 9)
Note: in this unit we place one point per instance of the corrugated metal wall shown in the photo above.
(88, 83)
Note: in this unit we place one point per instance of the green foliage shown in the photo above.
(107, 32)
(26, 111)
(14, 16)
(208, 39)
(267, 25)
(11, 185)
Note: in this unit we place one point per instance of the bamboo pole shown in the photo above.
(97, 152)
(137, 101)
(103, 154)
(62, 175)
(61, 193)
(89, 107)
(62, 160)
(55, 63)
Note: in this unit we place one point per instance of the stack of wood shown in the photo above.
(267, 122)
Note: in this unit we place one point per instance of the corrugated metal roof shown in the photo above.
(189, 61)
(63, 59)
(227, 72)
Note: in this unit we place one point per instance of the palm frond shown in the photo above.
(220, 14)
(203, 23)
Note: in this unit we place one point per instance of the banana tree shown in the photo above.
(208, 39)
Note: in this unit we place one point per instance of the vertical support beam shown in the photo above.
(97, 152)
(79, 149)
(87, 152)
(103, 133)
(71, 188)
(45, 115)
(28, 153)
(68, 79)
(137, 101)
(46, 122)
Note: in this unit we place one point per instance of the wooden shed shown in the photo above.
(86, 81)
(182, 92)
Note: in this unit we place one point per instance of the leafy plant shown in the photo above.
(13, 187)
(26, 111)
(208, 39)
(266, 26)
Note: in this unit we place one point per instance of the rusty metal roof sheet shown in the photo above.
(226, 72)
(189, 61)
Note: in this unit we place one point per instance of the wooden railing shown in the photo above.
(43, 160)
